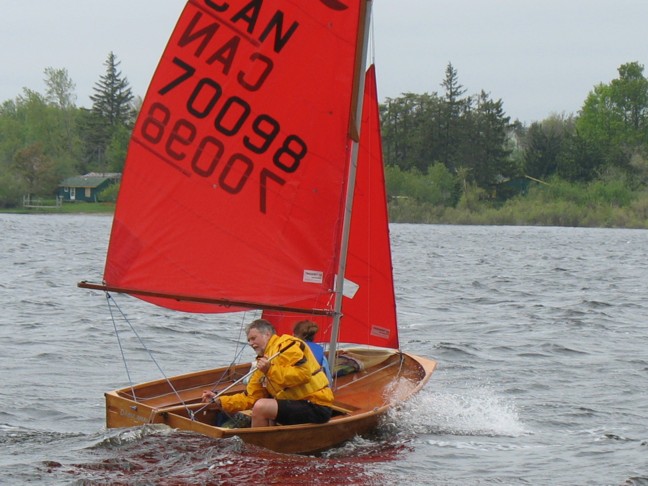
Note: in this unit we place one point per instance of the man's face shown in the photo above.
(258, 341)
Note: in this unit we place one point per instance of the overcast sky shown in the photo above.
(540, 58)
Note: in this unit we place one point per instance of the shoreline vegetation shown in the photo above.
(66, 208)
(450, 157)
(525, 213)
(531, 210)
(597, 204)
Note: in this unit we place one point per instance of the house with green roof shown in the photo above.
(86, 187)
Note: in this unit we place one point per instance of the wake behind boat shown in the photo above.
(254, 180)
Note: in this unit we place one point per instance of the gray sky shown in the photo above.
(540, 58)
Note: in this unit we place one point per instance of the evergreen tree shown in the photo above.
(408, 125)
(449, 121)
(548, 144)
(113, 96)
(111, 111)
(488, 137)
(468, 135)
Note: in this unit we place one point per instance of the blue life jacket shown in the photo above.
(318, 352)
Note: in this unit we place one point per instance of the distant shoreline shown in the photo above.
(66, 208)
(427, 214)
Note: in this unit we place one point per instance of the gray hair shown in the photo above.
(262, 326)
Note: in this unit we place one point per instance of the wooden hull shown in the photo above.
(361, 399)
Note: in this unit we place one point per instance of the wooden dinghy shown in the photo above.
(362, 399)
(255, 180)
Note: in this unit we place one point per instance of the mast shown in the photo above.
(354, 134)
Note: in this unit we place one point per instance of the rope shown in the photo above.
(109, 300)
(240, 347)
(121, 349)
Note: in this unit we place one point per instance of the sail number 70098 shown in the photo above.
(232, 117)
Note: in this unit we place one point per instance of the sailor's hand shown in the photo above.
(263, 364)
(209, 396)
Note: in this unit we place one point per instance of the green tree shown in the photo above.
(450, 119)
(437, 187)
(469, 135)
(59, 88)
(60, 95)
(112, 96)
(38, 138)
(629, 93)
(547, 143)
(581, 159)
(12, 188)
(111, 111)
(486, 148)
(50, 127)
(11, 133)
(117, 149)
(404, 122)
(614, 118)
(35, 169)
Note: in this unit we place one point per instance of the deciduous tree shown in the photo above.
(614, 117)
(36, 169)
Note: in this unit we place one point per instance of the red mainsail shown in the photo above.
(235, 175)
(369, 306)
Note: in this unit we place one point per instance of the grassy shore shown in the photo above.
(66, 208)
(526, 212)
(516, 212)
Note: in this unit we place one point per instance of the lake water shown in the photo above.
(541, 335)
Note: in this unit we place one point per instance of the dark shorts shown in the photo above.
(302, 412)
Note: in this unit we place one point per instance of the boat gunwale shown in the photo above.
(126, 391)
(425, 365)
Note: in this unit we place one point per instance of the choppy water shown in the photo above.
(541, 336)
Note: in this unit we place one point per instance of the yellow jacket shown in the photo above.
(294, 374)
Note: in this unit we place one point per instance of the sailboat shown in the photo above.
(254, 180)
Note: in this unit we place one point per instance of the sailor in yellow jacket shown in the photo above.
(290, 388)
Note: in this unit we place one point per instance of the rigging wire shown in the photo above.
(240, 347)
(238, 351)
(240, 340)
(237, 355)
(110, 299)
(121, 349)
